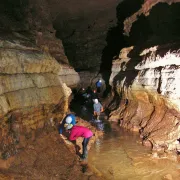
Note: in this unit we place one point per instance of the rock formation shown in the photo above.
(147, 82)
(145, 76)
(35, 75)
(32, 91)
(144, 10)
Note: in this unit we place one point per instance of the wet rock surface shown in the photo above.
(31, 92)
(152, 93)
(42, 154)
(47, 157)
(34, 86)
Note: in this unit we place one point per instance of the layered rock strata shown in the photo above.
(35, 75)
(147, 84)
(144, 10)
(33, 91)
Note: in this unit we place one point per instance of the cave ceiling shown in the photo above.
(82, 26)
(92, 30)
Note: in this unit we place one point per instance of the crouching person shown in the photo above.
(69, 119)
(80, 131)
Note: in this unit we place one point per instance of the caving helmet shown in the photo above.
(69, 120)
(96, 101)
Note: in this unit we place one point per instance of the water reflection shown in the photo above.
(99, 124)
(98, 145)
(120, 156)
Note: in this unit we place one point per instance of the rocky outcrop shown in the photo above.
(147, 84)
(49, 43)
(33, 91)
(69, 76)
(42, 160)
(35, 74)
(145, 10)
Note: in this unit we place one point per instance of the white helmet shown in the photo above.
(100, 80)
(68, 126)
(96, 101)
(69, 120)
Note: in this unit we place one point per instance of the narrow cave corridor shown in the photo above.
(52, 55)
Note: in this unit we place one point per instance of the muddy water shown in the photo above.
(120, 156)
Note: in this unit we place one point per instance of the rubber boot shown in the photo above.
(85, 154)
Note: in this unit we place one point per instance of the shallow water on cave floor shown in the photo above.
(120, 156)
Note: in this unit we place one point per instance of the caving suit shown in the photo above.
(64, 121)
(81, 131)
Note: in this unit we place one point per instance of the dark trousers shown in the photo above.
(98, 89)
(84, 144)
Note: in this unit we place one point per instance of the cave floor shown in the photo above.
(47, 157)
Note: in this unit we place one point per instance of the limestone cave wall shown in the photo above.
(35, 75)
(31, 90)
(147, 84)
(145, 75)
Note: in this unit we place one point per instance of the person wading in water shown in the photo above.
(98, 108)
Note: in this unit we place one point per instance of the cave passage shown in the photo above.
(119, 154)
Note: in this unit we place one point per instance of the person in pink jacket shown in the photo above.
(80, 131)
